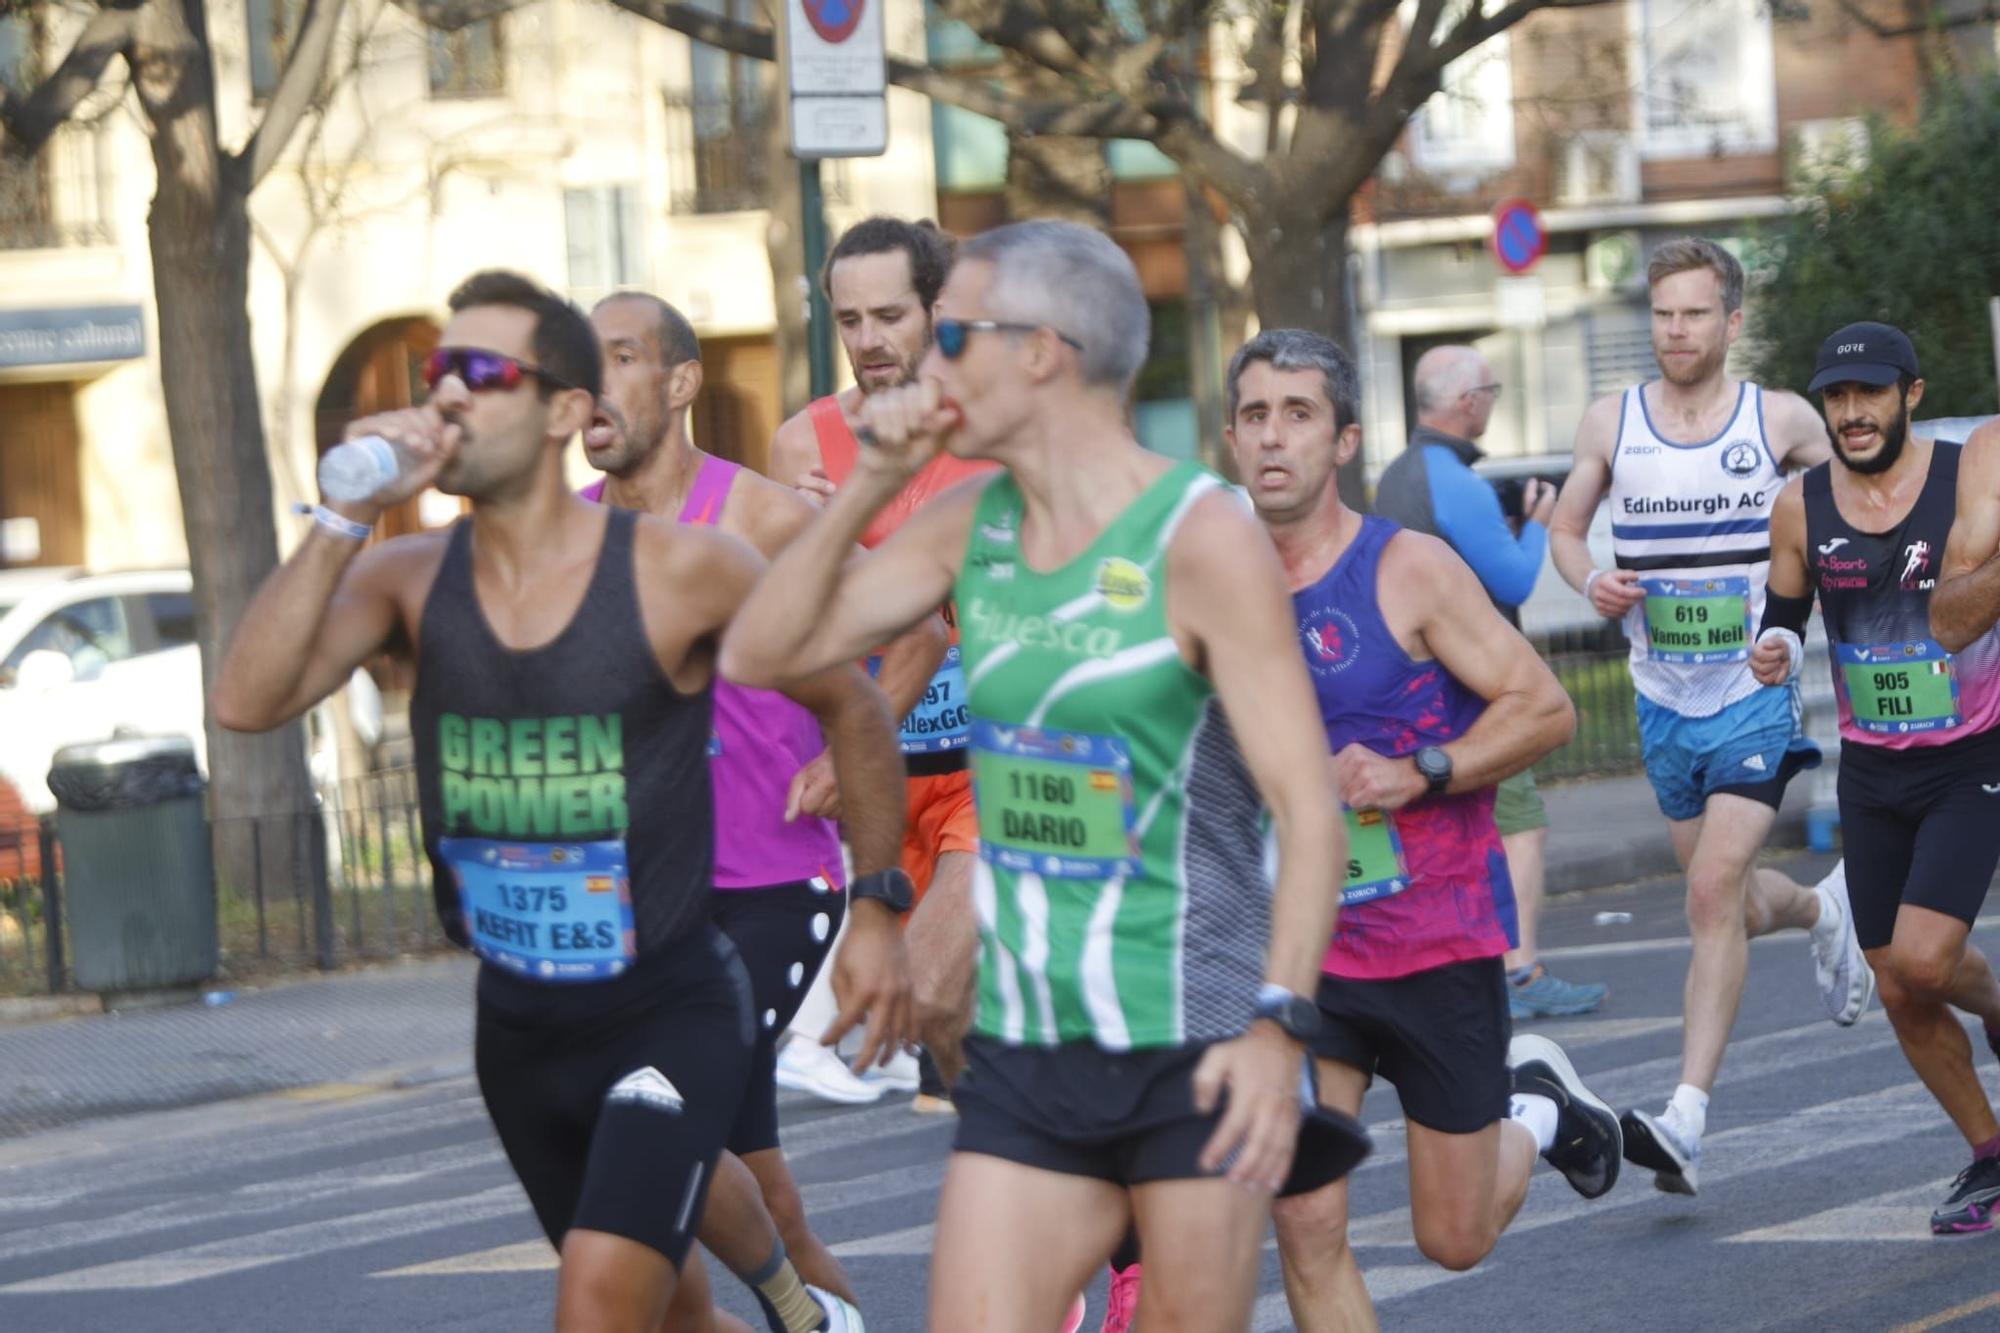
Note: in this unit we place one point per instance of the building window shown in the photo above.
(272, 25)
(607, 243)
(1163, 410)
(470, 62)
(732, 121)
(1708, 84)
(1468, 124)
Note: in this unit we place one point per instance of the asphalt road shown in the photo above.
(345, 1208)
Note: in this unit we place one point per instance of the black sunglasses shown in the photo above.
(952, 333)
(479, 369)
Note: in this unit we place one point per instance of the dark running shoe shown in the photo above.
(1656, 1143)
(1969, 1206)
(1588, 1146)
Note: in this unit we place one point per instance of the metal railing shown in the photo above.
(58, 197)
(719, 153)
(377, 902)
(1590, 662)
(271, 914)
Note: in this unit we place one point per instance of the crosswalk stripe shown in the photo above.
(1787, 1140)
(523, 1256)
(1386, 1283)
(261, 1249)
(254, 1200)
(909, 1240)
(1900, 1214)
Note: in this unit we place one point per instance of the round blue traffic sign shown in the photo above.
(1518, 238)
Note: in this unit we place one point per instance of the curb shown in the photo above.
(1652, 859)
(39, 1008)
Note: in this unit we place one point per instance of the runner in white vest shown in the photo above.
(1693, 463)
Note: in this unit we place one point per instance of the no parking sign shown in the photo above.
(1518, 237)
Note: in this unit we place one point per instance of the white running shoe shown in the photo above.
(840, 1316)
(899, 1075)
(1845, 981)
(806, 1066)
(1662, 1145)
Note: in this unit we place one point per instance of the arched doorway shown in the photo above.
(381, 370)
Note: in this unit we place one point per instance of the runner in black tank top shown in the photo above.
(1919, 752)
(561, 719)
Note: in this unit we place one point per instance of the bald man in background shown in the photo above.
(1432, 488)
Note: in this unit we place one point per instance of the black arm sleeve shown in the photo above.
(1781, 612)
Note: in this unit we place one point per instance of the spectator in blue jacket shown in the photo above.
(1432, 488)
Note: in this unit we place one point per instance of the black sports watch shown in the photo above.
(1435, 767)
(891, 888)
(1296, 1015)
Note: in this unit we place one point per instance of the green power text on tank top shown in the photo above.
(1120, 887)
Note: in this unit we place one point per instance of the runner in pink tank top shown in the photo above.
(761, 740)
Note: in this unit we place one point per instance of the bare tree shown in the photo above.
(199, 233)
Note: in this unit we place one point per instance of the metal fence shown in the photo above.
(274, 911)
(376, 902)
(1590, 663)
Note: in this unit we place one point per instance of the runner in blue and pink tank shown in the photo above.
(1429, 699)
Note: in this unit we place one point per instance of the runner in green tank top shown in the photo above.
(1137, 702)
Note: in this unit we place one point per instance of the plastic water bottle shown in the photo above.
(360, 469)
(215, 999)
(1612, 919)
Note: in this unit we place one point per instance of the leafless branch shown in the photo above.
(298, 88)
(30, 120)
(1935, 21)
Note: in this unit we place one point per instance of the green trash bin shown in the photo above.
(138, 870)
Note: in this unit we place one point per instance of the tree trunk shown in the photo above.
(1298, 278)
(1209, 348)
(1058, 176)
(784, 241)
(261, 794)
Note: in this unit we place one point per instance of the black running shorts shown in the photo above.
(1918, 826)
(1124, 1117)
(783, 934)
(1440, 1036)
(613, 1100)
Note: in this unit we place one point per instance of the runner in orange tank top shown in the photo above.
(882, 279)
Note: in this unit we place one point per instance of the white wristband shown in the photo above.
(1795, 651)
(340, 525)
(1590, 579)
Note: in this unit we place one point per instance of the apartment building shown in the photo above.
(566, 138)
(1625, 124)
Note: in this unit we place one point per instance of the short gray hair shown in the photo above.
(1075, 281)
(1445, 373)
(1302, 349)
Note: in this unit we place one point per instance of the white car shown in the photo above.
(85, 657)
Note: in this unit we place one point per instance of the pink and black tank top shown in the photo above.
(760, 739)
(1896, 687)
(1426, 885)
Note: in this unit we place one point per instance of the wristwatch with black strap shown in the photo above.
(891, 888)
(1297, 1016)
(1434, 766)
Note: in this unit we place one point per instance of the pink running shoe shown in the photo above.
(1121, 1303)
(1073, 1321)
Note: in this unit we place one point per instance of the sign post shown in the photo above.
(836, 81)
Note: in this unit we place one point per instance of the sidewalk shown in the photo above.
(1610, 831)
(396, 1025)
(408, 1023)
